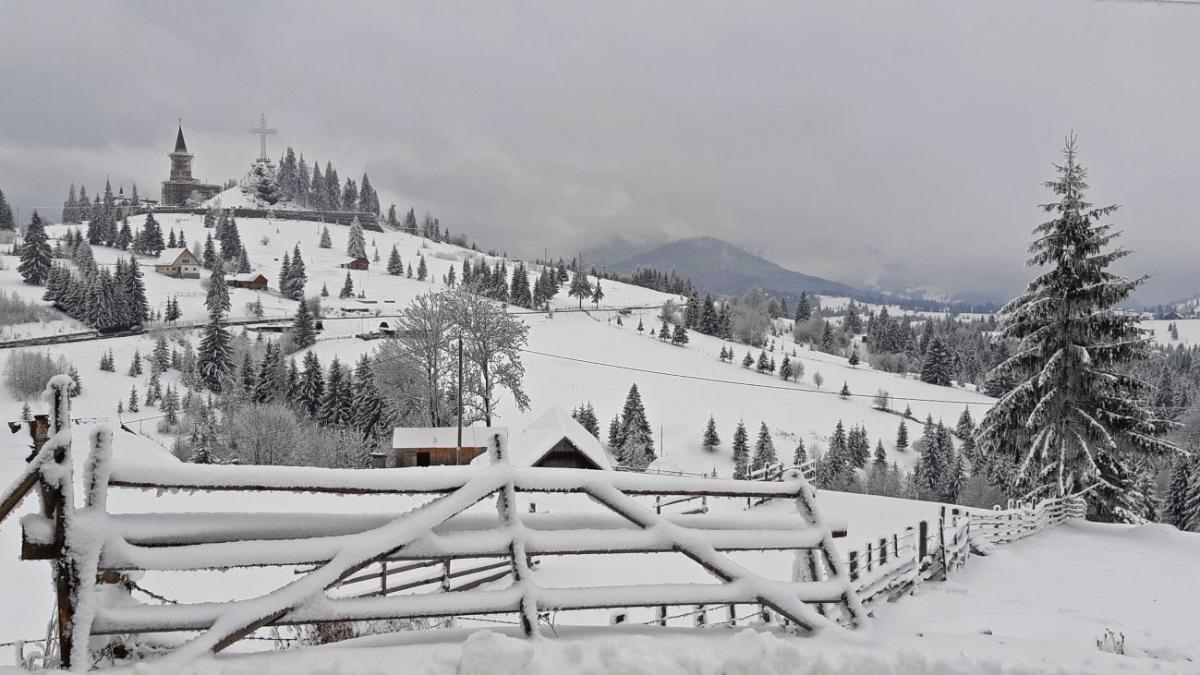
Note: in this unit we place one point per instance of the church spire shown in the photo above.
(180, 145)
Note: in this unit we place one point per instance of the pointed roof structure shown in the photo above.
(180, 144)
(555, 432)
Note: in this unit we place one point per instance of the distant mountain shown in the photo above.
(716, 266)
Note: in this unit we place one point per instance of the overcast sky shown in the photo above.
(898, 141)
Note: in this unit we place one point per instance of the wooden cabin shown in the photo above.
(252, 280)
(179, 263)
(356, 264)
(438, 446)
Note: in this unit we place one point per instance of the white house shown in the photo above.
(180, 263)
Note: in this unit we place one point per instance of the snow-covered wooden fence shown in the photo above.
(776, 471)
(90, 547)
(898, 563)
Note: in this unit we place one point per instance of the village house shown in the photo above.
(251, 280)
(179, 263)
(356, 264)
(554, 439)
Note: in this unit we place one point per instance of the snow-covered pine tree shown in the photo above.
(135, 364)
(854, 360)
(836, 471)
(7, 222)
(208, 259)
(799, 455)
(741, 452)
(304, 332)
(326, 240)
(36, 255)
(356, 244)
(902, 437)
(215, 362)
(880, 458)
(845, 392)
(580, 286)
(395, 266)
(598, 295)
(711, 440)
(764, 449)
(635, 424)
(1075, 415)
(679, 336)
(331, 410)
(422, 269)
(347, 287)
(748, 360)
(938, 365)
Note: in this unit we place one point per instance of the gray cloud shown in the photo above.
(865, 141)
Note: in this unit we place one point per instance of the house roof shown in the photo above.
(443, 437)
(545, 432)
(248, 276)
(171, 255)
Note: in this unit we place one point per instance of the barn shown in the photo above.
(252, 280)
(437, 446)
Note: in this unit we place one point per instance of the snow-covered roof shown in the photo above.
(545, 432)
(171, 255)
(443, 437)
(248, 276)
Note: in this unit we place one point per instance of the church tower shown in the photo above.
(181, 188)
(181, 159)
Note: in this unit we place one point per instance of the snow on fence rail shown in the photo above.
(89, 546)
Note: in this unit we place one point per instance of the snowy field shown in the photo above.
(1052, 595)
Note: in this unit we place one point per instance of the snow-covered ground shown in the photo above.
(1189, 332)
(578, 357)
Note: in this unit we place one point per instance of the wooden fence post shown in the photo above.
(922, 541)
(662, 615)
(701, 616)
(732, 615)
(942, 541)
(383, 577)
(853, 565)
(870, 557)
(883, 552)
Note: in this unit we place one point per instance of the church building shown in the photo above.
(181, 188)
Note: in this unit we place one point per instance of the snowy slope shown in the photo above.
(572, 358)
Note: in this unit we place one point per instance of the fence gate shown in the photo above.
(89, 547)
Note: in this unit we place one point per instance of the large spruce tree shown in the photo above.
(35, 253)
(1075, 413)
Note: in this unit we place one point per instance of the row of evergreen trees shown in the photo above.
(100, 297)
(77, 209)
(313, 189)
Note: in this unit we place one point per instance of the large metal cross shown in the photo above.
(262, 132)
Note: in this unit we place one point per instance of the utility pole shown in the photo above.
(458, 459)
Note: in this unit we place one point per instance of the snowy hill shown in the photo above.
(572, 358)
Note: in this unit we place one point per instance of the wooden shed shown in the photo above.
(438, 446)
(252, 280)
(356, 264)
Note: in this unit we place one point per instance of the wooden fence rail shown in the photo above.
(896, 564)
(340, 549)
